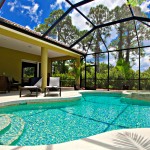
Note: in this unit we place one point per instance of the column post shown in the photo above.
(44, 66)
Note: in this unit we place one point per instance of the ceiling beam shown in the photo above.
(103, 41)
(109, 24)
(57, 21)
(81, 13)
(141, 19)
(82, 37)
(145, 23)
(100, 26)
(82, 3)
(62, 58)
(130, 8)
(132, 48)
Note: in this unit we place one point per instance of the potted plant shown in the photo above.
(76, 73)
(77, 76)
(124, 68)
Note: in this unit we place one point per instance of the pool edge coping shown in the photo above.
(27, 100)
(100, 141)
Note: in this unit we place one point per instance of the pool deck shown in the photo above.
(13, 98)
(112, 140)
(14, 95)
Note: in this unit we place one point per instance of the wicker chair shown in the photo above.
(4, 84)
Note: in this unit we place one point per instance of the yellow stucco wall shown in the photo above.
(11, 62)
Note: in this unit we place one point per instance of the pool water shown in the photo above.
(95, 113)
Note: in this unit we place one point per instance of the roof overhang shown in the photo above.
(32, 40)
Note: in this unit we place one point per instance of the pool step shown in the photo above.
(4, 122)
(14, 132)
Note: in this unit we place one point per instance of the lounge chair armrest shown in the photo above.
(30, 86)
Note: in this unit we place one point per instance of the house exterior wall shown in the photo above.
(11, 62)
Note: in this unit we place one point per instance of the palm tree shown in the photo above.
(99, 15)
(126, 37)
(64, 31)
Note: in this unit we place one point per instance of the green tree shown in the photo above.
(64, 31)
(117, 14)
(84, 43)
(60, 67)
(48, 22)
(124, 68)
(126, 35)
(99, 15)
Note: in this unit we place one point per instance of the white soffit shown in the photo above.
(18, 45)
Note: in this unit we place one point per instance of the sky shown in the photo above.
(30, 13)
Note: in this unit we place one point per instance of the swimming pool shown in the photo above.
(50, 123)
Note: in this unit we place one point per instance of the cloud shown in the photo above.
(26, 7)
(89, 58)
(112, 59)
(13, 5)
(79, 21)
(52, 6)
(111, 3)
(74, 1)
(144, 6)
(146, 42)
(59, 3)
(144, 61)
(31, 10)
(41, 12)
(28, 27)
(35, 8)
(113, 35)
(86, 8)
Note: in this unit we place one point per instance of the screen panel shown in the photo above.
(143, 32)
(102, 72)
(122, 36)
(104, 11)
(145, 69)
(69, 30)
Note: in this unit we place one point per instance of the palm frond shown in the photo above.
(131, 141)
